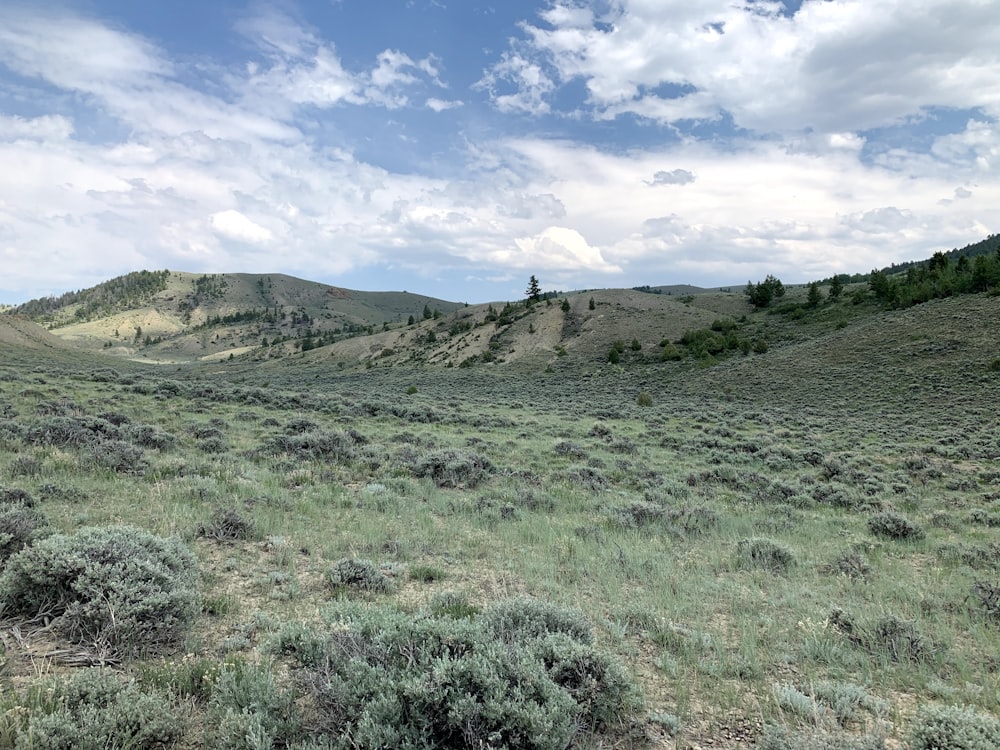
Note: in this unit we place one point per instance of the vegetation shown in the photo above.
(792, 548)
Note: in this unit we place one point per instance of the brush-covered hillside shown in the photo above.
(171, 316)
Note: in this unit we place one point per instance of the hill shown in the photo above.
(174, 317)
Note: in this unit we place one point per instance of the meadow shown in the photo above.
(792, 549)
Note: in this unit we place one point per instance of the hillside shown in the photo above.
(176, 317)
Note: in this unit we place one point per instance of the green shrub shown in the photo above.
(512, 620)
(20, 525)
(119, 456)
(888, 637)
(636, 514)
(953, 728)
(117, 588)
(92, 710)
(248, 710)
(452, 468)
(644, 399)
(228, 524)
(894, 526)
(363, 575)
(988, 597)
(763, 554)
(510, 679)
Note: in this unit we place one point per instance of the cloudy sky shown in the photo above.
(455, 147)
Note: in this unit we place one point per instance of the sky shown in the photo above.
(456, 147)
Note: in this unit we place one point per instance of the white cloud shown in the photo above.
(44, 128)
(561, 249)
(441, 105)
(529, 81)
(234, 225)
(835, 66)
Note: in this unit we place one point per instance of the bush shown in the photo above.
(894, 526)
(20, 525)
(315, 444)
(953, 728)
(248, 710)
(93, 710)
(644, 399)
(228, 524)
(887, 637)
(359, 574)
(117, 588)
(451, 468)
(763, 554)
(516, 619)
(382, 678)
(636, 514)
(119, 457)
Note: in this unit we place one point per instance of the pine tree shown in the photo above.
(534, 291)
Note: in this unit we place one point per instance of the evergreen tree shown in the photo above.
(534, 291)
(836, 287)
(814, 298)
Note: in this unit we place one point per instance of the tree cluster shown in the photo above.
(763, 293)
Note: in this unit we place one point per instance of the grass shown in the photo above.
(817, 518)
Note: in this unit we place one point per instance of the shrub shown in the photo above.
(894, 526)
(890, 637)
(20, 525)
(315, 444)
(248, 710)
(394, 679)
(644, 399)
(850, 563)
(953, 728)
(636, 514)
(515, 619)
(452, 468)
(988, 597)
(92, 710)
(763, 554)
(119, 456)
(359, 574)
(16, 496)
(118, 588)
(228, 524)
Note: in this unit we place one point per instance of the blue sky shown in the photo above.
(456, 148)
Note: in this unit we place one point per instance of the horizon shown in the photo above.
(460, 149)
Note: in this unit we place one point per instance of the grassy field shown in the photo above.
(792, 549)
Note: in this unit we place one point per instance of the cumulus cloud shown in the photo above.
(562, 249)
(517, 84)
(837, 66)
(234, 225)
